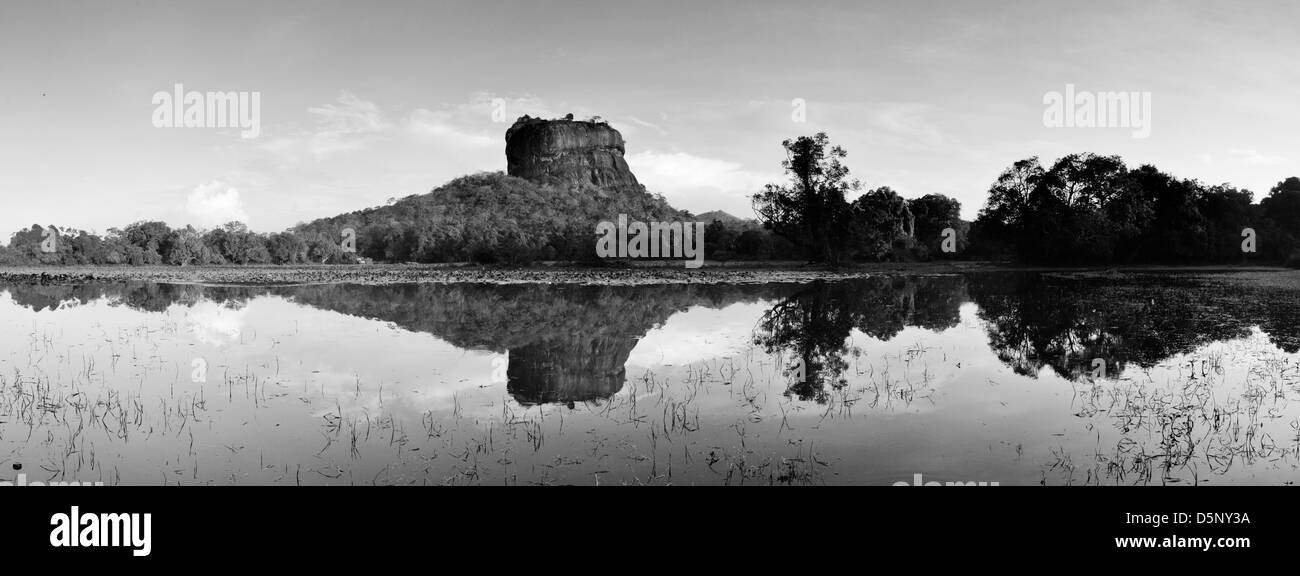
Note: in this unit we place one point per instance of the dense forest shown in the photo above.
(1082, 209)
(1090, 209)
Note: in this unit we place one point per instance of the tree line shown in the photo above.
(1082, 209)
(1092, 209)
(813, 211)
(153, 243)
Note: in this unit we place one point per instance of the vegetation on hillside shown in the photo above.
(492, 217)
(1082, 209)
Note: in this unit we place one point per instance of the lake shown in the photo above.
(1006, 377)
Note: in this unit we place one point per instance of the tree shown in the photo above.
(86, 248)
(1282, 205)
(811, 209)
(234, 243)
(881, 222)
(1280, 213)
(287, 248)
(151, 237)
(1000, 227)
(753, 245)
(718, 240)
(933, 213)
(188, 247)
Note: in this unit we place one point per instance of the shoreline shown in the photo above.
(730, 273)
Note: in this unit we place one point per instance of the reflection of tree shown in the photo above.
(1281, 317)
(569, 343)
(143, 296)
(814, 324)
(1035, 320)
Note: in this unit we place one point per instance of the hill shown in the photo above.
(493, 217)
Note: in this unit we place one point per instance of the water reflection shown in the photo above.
(570, 343)
(953, 376)
(565, 343)
(813, 325)
(1065, 323)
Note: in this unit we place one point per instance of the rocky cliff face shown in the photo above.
(567, 152)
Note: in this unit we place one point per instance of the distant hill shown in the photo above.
(726, 218)
(493, 217)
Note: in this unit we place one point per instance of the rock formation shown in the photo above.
(567, 151)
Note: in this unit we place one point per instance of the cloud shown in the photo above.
(639, 122)
(1254, 157)
(214, 204)
(351, 115)
(1243, 156)
(480, 122)
(908, 125)
(448, 128)
(352, 124)
(347, 125)
(698, 183)
(669, 171)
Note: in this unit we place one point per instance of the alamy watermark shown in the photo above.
(22, 480)
(654, 240)
(1076, 109)
(917, 480)
(181, 109)
(949, 243)
(77, 529)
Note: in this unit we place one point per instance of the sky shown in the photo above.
(361, 102)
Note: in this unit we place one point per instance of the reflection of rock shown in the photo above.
(573, 369)
(567, 152)
(569, 343)
(566, 343)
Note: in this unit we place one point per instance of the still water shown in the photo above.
(994, 377)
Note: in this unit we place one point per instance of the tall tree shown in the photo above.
(811, 210)
(933, 214)
(881, 219)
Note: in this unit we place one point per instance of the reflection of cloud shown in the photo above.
(698, 334)
(216, 324)
(214, 204)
